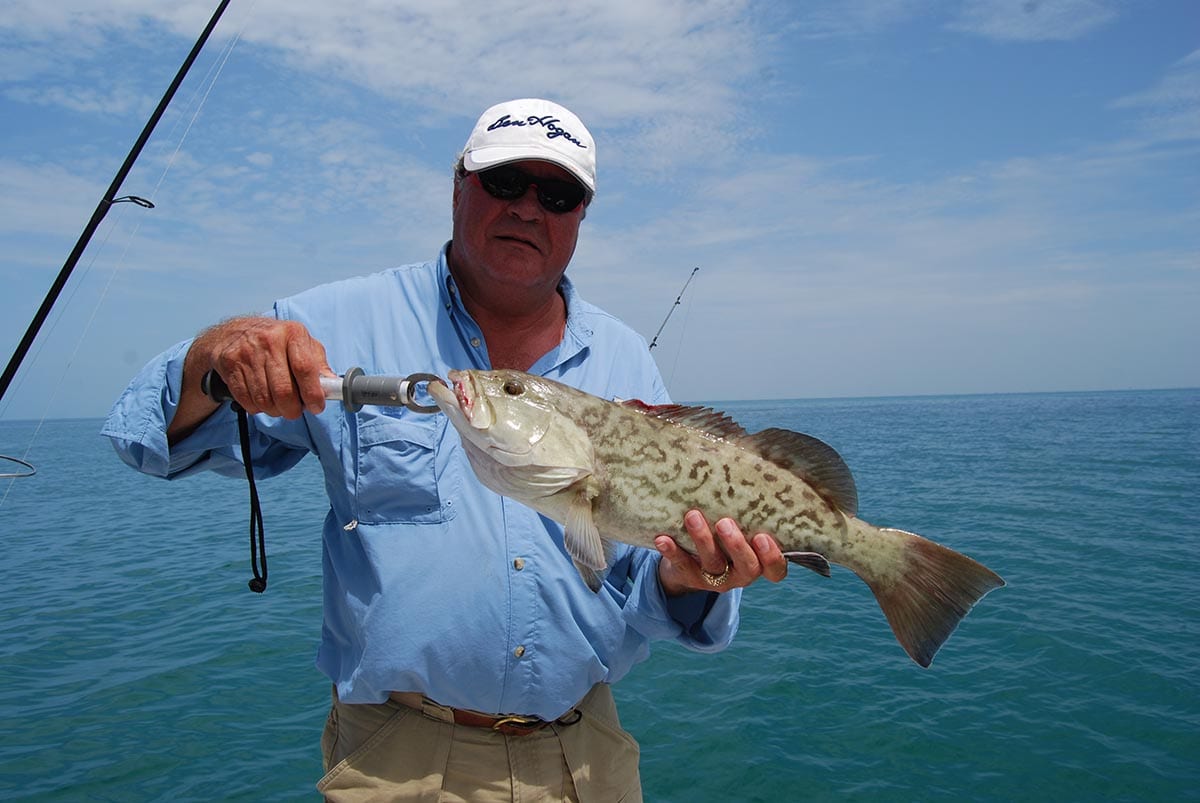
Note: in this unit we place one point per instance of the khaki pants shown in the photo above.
(389, 752)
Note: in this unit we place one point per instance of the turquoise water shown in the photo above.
(135, 664)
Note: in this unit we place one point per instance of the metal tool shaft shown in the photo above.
(354, 390)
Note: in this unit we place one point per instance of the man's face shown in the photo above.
(512, 242)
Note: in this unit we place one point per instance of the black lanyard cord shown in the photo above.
(258, 543)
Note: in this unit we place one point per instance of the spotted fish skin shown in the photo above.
(628, 471)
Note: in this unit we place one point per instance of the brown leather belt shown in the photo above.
(507, 724)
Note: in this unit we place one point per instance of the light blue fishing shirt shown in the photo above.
(432, 582)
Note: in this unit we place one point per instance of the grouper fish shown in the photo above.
(628, 471)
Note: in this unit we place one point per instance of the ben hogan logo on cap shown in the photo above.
(550, 123)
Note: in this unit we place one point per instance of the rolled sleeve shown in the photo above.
(701, 621)
(137, 423)
(137, 427)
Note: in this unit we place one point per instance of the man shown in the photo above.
(469, 660)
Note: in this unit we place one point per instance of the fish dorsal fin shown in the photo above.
(812, 460)
(704, 419)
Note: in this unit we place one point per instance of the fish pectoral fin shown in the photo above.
(590, 576)
(810, 560)
(580, 535)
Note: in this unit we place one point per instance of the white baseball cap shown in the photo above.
(531, 128)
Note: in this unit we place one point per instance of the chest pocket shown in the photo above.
(397, 468)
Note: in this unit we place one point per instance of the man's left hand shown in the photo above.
(725, 559)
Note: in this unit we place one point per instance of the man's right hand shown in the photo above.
(270, 366)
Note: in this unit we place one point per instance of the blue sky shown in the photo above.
(884, 197)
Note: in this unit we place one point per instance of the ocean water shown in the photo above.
(135, 665)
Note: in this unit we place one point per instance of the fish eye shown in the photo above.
(513, 388)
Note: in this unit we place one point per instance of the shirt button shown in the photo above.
(519, 564)
(475, 342)
(519, 651)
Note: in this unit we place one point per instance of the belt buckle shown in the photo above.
(518, 725)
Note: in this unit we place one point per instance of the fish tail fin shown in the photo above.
(931, 592)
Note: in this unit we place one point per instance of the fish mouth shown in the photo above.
(465, 399)
(453, 398)
(463, 395)
(466, 404)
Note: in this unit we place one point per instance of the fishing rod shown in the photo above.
(102, 209)
(678, 298)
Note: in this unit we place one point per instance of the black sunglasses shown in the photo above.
(508, 183)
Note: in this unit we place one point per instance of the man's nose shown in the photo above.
(527, 207)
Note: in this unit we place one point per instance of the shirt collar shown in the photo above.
(576, 337)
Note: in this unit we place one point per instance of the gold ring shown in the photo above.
(717, 580)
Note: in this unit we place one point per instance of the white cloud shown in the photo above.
(807, 262)
(115, 101)
(1172, 106)
(44, 198)
(848, 18)
(1033, 20)
(653, 72)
